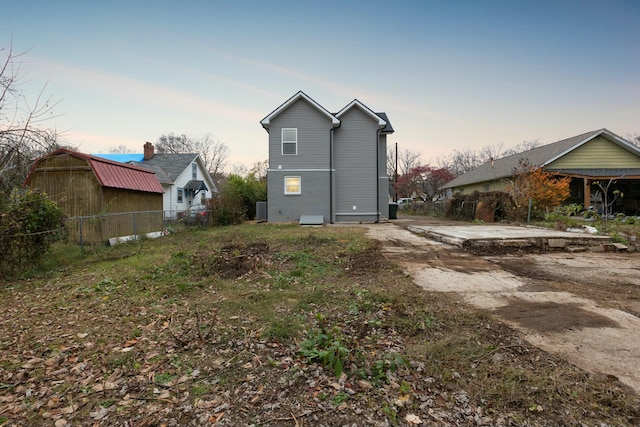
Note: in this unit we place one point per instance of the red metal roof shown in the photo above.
(115, 174)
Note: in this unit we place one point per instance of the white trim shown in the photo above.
(266, 122)
(573, 147)
(300, 170)
(355, 103)
(282, 142)
(292, 193)
(356, 213)
(612, 137)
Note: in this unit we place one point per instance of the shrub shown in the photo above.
(29, 224)
(237, 200)
(545, 189)
(226, 209)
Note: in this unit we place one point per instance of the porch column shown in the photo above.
(586, 193)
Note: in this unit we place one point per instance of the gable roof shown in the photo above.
(539, 156)
(110, 173)
(381, 118)
(266, 122)
(168, 167)
(388, 128)
(357, 104)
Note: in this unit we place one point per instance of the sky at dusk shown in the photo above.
(451, 75)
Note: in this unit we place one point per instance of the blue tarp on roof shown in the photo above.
(122, 158)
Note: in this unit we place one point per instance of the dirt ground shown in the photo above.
(584, 307)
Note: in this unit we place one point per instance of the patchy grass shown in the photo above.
(270, 325)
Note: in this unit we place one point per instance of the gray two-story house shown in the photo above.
(326, 167)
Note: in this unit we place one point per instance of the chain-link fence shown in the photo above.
(103, 228)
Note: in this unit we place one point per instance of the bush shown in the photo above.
(29, 224)
(226, 209)
(237, 200)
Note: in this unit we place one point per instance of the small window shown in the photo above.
(180, 195)
(290, 141)
(292, 185)
(194, 171)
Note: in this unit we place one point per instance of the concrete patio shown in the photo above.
(472, 236)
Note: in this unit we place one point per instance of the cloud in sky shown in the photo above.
(141, 92)
(450, 75)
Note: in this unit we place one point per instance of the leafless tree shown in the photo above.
(239, 169)
(463, 161)
(633, 138)
(490, 152)
(121, 149)
(22, 135)
(466, 160)
(407, 160)
(259, 170)
(522, 147)
(214, 154)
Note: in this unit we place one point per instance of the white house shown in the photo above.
(184, 177)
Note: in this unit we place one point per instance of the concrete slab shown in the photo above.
(311, 219)
(478, 236)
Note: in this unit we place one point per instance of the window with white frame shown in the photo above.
(289, 141)
(292, 185)
(194, 171)
(180, 195)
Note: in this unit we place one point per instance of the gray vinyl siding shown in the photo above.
(356, 173)
(383, 179)
(313, 200)
(314, 133)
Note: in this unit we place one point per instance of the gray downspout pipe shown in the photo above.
(378, 175)
(331, 176)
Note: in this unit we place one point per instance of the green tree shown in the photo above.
(238, 196)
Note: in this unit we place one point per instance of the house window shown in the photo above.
(194, 171)
(292, 185)
(290, 141)
(180, 195)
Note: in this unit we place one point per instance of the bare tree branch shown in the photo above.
(213, 153)
(22, 137)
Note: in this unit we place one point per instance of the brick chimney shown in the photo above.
(149, 151)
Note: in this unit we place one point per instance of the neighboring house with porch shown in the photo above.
(101, 198)
(597, 156)
(326, 167)
(184, 177)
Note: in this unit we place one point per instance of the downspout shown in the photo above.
(331, 175)
(378, 175)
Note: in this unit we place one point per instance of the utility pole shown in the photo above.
(395, 186)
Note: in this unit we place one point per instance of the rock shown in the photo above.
(60, 423)
(556, 243)
(620, 247)
(366, 385)
(590, 230)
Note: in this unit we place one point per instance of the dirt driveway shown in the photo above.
(584, 307)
